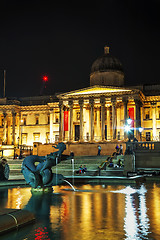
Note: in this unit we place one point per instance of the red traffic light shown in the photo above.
(45, 78)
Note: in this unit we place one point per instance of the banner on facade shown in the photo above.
(131, 115)
(65, 120)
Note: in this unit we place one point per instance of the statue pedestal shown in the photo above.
(129, 164)
(42, 190)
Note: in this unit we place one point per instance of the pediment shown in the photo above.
(95, 91)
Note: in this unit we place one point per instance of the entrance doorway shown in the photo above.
(77, 132)
(105, 132)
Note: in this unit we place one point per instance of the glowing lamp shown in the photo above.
(129, 120)
(45, 78)
(127, 128)
(140, 129)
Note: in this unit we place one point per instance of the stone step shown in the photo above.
(64, 167)
(16, 177)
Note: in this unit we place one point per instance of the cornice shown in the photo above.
(35, 109)
(152, 99)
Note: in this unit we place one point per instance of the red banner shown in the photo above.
(65, 120)
(131, 115)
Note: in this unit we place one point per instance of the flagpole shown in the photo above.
(4, 85)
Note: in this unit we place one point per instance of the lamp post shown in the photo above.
(140, 132)
(18, 141)
(129, 121)
(20, 156)
(128, 127)
(21, 129)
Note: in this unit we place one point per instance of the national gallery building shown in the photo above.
(98, 113)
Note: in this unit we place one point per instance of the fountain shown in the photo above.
(40, 177)
(70, 185)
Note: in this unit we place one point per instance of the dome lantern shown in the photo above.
(106, 50)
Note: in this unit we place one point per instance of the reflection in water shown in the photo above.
(93, 212)
(136, 223)
(41, 233)
(130, 221)
(144, 220)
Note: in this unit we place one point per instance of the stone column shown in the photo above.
(81, 104)
(91, 102)
(51, 125)
(108, 124)
(61, 121)
(154, 120)
(138, 118)
(4, 128)
(70, 103)
(102, 101)
(13, 127)
(125, 102)
(114, 118)
(98, 124)
(18, 129)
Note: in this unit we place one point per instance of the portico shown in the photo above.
(98, 113)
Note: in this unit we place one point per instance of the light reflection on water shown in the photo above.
(94, 212)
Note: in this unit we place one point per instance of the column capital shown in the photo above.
(81, 102)
(70, 102)
(51, 110)
(4, 114)
(113, 100)
(125, 99)
(138, 102)
(60, 103)
(14, 113)
(153, 104)
(91, 101)
(102, 100)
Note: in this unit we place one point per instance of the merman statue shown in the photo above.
(41, 176)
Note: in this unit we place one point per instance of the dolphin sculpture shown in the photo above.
(41, 175)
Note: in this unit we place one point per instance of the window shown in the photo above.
(57, 117)
(47, 137)
(78, 116)
(36, 137)
(148, 136)
(147, 116)
(56, 138)
(37, 120)
(48, 119)
(146, 113)
(24, 119)
(24, 138)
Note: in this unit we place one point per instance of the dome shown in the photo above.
(107, 70)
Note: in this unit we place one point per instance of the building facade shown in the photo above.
(98, 113)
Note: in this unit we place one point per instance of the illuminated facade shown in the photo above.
(98, 113)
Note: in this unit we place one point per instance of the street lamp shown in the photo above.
(129, 121)
(128, 127)
(140, 131)
(21, 129)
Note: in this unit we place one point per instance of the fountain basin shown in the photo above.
(11, 219)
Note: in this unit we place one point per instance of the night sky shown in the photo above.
(62, 40)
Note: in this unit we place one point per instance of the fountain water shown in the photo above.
(72, 170)
(70, 185)
(56, 169)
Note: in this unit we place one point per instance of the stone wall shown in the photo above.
(79, 149)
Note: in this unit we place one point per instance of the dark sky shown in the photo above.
(63, 39)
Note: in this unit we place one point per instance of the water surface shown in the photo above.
(92, 212)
